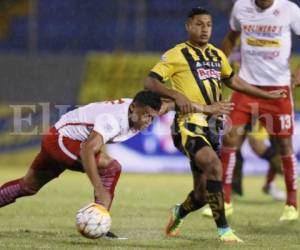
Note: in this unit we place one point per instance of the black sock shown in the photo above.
(189, 205)
(215, 199)
(268, 154)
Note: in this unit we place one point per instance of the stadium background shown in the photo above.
(75, 51)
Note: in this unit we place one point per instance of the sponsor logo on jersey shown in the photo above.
(267, 55)
(208, 64)
(208, 74)
(269, 31)
(275, 43)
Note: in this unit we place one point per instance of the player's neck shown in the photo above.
(201, 46)
(262, 7)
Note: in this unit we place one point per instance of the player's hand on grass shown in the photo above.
(218, 108)
(183, 104)
(277, 94)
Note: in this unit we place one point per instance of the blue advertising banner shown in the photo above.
(153, 151)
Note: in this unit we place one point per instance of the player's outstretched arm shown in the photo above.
(217, 108)
(238, 84)
(89, 148)
(181, 101)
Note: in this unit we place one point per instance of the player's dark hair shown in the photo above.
(197, 11)
(148, 98)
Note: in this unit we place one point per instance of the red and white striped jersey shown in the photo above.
(110, 119)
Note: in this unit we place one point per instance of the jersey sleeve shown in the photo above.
(165, 68)
(107, 125)
(226, 70)
(234, 22)
(295, 18)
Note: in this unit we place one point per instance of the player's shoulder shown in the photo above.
(126, 101)
(173, 52)
(239, 4)
(176, 49)
(216, 50)
(112, 107)
(289, 4)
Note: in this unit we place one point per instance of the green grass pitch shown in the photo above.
(140, 211)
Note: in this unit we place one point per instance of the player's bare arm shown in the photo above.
(181, 101)
(296, 77)
(88, 151)
(238, 84)
(230, 42)
(217, 108)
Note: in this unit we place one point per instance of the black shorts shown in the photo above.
(190, 138)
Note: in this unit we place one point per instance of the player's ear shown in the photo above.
(132, 106)
(187, 25)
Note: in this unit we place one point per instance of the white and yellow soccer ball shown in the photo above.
(93, 221)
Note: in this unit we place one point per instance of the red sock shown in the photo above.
(270, 177)
(12, 190)
(110, 176)
(289, 163)
(228, 159)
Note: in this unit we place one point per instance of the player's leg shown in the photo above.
(281, 129)
(233, 139)
(207, 160)
(109, 170)
(270, 154)
(289, 163)
(231, 142)
(41, 171)
(237, 179)
(195, 200)
(257, 143)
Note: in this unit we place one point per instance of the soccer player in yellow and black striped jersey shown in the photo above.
(196, 69)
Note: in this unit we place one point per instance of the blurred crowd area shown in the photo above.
(106, 25)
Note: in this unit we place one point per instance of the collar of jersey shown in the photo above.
(195, 47)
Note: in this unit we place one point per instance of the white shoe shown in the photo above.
(276, 193)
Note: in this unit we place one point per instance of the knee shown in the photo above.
(285, 146)
(211, 166)
(115, 166)
(232, 139)
(27, 189)
(112, 168)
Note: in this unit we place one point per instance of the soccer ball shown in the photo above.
(93, 221)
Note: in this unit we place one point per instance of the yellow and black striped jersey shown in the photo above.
(194, 72)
